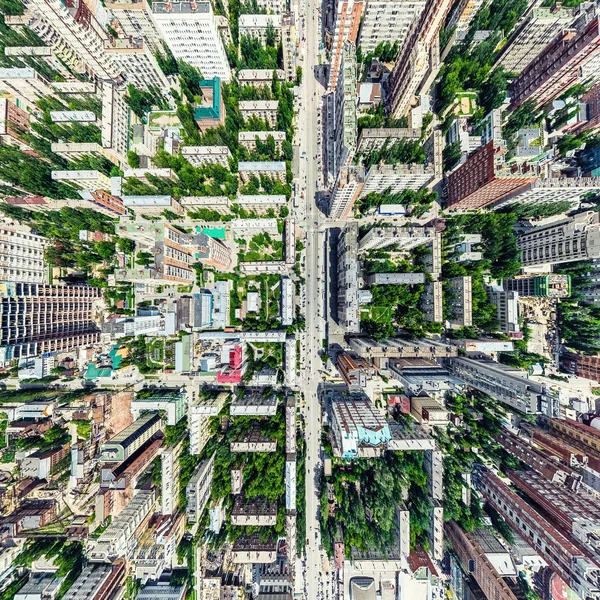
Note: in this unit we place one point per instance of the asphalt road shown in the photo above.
(309, 219)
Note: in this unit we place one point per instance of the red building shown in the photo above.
(561, 64)
(580, 572)
(477, 183)
(475, 561)
(550, 469)
(578, 364)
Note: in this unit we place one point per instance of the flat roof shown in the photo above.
(261, 166)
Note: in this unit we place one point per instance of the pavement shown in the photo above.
(316, 578)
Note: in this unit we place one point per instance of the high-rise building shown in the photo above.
(482, 555)
(569, 59)
(133, 19)
(571, 239)
(507, 309)
(386, 21)
(341, 121)
(347, 21)
(198, 489)
(405, 238)
(289, 43)
(191, 32)
(536, 30)
(576, 514)
(485, 180)
(39, 318)
(418, 59)
(567, 559)
(462, 15)
(502, 382)
(346, 191)
(553, 285)
(549, 468)
(22, 255)
(115, 122)
(14, 122)
(74, 34)
(347, 279)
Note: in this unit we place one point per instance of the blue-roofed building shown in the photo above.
(356, 422)
(211, 113)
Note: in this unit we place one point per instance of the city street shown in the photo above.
(309, 131)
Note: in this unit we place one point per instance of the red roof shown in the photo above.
(25, 200)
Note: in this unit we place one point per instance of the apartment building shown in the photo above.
(347, 22)
(481, 555)
(386, 21)
(248, 139)
(98, 581)
(535, 31)
(462, 15)
(115, 122)
(22, 255)
(397, 178)
(346, 191)
(507, 309)
(418, 59)
(461, 301)
(14, 122)
(486, 181)
(39, 318)
(572, 565)
(75, 35)
(201, 155)
(290, 44)
(133, 19)
(340, 113)
(116, 541)
(261, 109)
(274, 169)
(406, 238)
(569, 59)
(348, 294)
(259, 77)
(371, 139)
(192, 33)
(504, 383)
(572, 239)
(253, 512)
(134, 58)
(260, 26)
(24, 84)
(199, 416)
(198, 489)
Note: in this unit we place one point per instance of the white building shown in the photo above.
(346, 191)
(22, 255)
(386, 21)
(287, 301)
(198, 489)
(133, 18)
(200, 155)
(85, 180)
(79, 42)
(261, 109)
(191, 32)
(115, 122)
(257, 26)
(397, 177)
(259, 77)
(117, 539)
(248, 139)
(24, 83)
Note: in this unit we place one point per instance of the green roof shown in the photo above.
(214, 111)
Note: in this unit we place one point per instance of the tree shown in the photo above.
(133, 159)
(126, 245)
(106, 250)
(298, 75)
